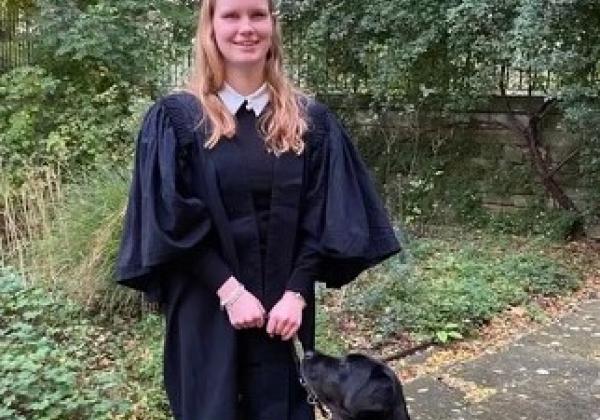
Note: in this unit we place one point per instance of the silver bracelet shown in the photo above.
(233, 297)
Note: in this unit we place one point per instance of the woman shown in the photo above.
(245, 192)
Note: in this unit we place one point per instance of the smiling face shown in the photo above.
(243, 31)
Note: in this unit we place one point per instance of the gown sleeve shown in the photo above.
(306, 270)
(164, 222)
(344, 226)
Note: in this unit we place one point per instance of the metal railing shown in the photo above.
(312, 67)
(15, 40)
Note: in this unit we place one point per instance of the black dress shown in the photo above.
(196, 216)
(262, 380)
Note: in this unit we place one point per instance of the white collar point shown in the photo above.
(233, 100)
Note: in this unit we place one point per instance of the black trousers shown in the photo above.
(267, 381)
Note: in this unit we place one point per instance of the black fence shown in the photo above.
(309, 71)
(15, 40)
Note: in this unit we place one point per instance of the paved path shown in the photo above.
(551, 374)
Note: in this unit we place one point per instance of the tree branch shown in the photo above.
(559, 165)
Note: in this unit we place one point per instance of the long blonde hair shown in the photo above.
(282, 124)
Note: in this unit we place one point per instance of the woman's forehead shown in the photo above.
(241, 4)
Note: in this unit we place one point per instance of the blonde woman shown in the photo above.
(245, 192)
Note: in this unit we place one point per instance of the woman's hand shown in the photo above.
(285, 317)
(246, 311)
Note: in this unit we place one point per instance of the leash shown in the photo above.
(298, 355)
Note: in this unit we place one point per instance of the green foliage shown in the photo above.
(553, 224)
(102, 43)
(451, 55)
(434, 178)
(56, 364)
(449, 50)
(96, 66)
(413, 50)
(448, 333)
(45, 121)
(78, 252)
(536, 313)
(13, 5)
(23, 94)
(327, 338)
(448, 288)
(582, 118)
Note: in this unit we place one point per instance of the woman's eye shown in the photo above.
(259, 15)
(229, 16)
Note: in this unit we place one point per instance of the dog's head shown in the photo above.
(355, 387)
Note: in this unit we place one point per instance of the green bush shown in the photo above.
(94, 67)
(56, 364)
(46, 121)
(102, 43)
(556, 224)
(451, 285)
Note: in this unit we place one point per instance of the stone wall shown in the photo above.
(486, 129)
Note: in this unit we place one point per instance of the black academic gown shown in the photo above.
(186, 209)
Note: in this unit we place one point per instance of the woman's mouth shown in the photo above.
(246, 44)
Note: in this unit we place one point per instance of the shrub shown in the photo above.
(57, 364)
(457, 286)
(48, 122)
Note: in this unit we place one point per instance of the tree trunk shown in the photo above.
(531, 136)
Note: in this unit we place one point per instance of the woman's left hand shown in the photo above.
(285, 317)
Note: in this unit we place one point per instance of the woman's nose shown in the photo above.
(246, 26)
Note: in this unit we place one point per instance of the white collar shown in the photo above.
(233, 100)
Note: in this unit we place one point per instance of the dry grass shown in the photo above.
(26, 212)
(64, 236)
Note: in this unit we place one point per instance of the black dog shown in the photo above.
(355, 387)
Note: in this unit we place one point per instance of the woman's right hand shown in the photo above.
(246, 311)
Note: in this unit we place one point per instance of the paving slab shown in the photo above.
(550, 374)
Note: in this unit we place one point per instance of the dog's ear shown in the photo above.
(382, 382)
(374, 398)
(398, 410)
(378, 373)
